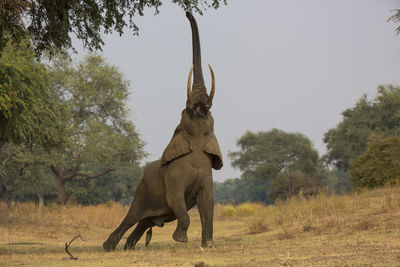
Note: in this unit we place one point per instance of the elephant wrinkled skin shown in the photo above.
(182, 177)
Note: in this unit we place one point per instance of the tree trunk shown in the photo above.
(40, 197)
(61, 192)
(3, 189)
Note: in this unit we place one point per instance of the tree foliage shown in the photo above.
(396, 19)
(379, 164)
(380, 116)
(245, 189)
(336, 181)
(119, 185)
(267, 154)
(97, 130)
(12, 27)
(293, 184)
(264, 157)
(51, 23)
(94, 133)
(28, 107)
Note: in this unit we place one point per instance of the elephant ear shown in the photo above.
(178, 146)
(212, 148)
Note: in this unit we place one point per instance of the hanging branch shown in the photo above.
(71, 257)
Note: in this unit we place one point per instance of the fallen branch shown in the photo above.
(71, 257)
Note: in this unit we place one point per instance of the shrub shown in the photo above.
(379, 164)
(286, 186)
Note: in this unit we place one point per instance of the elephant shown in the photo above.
(182, 178)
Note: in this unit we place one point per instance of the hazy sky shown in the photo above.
(293, 65)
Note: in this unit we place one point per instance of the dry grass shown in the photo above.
(242, 210)
(359, 229)
(323, 214)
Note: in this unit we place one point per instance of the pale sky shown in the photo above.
(287, 64)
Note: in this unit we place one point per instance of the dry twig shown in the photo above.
(71, 257)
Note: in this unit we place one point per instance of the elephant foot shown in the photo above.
(180, 236)
(130, 245)
(208, 244)
(109, 245)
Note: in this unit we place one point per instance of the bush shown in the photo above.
(379, 164)
(293, 184)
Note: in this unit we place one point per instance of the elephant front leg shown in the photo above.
(178, 206)
(205, 203)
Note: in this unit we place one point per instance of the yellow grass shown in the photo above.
(359, 229)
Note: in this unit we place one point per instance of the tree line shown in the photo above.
(363, 150)
(64, 122)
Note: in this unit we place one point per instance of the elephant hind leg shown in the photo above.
(135, 236)
(115, 237)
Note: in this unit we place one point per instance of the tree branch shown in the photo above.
(90, 176)
(71, 257)
(74, 172)
(6, 159)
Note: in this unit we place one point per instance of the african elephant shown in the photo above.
(182, 177)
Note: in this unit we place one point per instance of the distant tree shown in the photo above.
(246, 189)
(379, 164)
(264, 156)
(336, 181)
(51, 23)
(119, 185)
(349, 139)
(226, 192)
(292, 184)
(96, 128)
(20, 178)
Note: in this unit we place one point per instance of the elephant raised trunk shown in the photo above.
(197, 95)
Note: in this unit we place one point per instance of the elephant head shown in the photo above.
(196, 129)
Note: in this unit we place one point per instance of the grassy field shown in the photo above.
(359, 229)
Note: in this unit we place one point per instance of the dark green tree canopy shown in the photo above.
(380, 115)
(51, 23)
(29, 109)
(266, 154)
(263, 158)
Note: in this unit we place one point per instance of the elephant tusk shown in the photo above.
(189, 87)
(212, 92)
